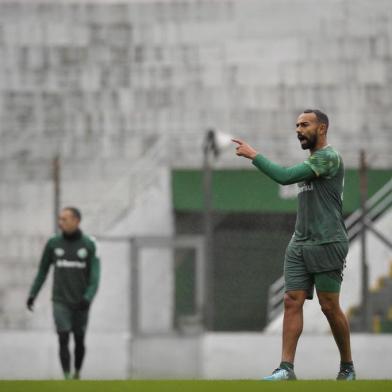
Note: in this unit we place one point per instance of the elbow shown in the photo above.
(283, 178)
(283, 181)
(288, 180)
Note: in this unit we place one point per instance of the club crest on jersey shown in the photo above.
(59, 252)
(82, 253)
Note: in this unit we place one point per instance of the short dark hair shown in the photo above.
(321, 116)
(75, 212)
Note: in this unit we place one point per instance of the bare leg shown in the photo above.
(292, 323)
(338, 322)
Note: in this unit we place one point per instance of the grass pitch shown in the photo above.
(193, 386)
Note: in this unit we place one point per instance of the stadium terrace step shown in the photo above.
(379, 307)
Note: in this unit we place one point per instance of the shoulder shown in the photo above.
(89, 241)
(327, 153)
(54, 240)
(325, 162)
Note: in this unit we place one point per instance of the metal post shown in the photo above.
(134, 287)
(201, 299)
(208, 230)
(134, 313)
(56, 188)
(363, 184)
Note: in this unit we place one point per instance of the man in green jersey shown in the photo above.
(75, 282)
(316, 253)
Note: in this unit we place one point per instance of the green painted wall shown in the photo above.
(251, 191)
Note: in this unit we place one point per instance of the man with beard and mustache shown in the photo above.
(316, 253)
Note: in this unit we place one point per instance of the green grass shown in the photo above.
(191, 385)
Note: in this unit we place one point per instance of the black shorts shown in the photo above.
(68, 319)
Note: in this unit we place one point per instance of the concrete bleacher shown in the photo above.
(124, 91)
(98, 78)
(100, 82)
(379, 307)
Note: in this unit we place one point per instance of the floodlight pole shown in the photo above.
(209, 151)
(56, 169)
(363, 185)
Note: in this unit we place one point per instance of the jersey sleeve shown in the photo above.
(283, 175)
(325, 163)
(95, 270)
(43, 270)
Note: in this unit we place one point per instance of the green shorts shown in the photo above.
(69, 320)
(306, 266)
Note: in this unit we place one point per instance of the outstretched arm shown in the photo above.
(280, 174)
(283, 175)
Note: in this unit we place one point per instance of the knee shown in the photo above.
(63, 339)
(79, 340)
(292, 303)
(328, 307)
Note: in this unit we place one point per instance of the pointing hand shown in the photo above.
(244, 149)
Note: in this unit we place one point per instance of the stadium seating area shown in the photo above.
(380, 308)
(119, 89)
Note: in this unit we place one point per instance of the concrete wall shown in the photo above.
(212, 356)
(31, 351)
(150, 215)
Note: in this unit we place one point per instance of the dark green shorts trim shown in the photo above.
(309, 266)
(67, 319)
(329, 281)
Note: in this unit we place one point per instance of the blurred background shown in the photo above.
(124, 109)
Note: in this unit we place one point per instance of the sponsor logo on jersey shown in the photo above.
(305, 188)
(62, 263)
(59, 252)
(288, 191)
(82, 253)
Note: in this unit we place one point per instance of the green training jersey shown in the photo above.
(319, 215)
(76, 268)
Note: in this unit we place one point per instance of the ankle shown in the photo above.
(67, 375)
(346, 365)
(286, 365)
